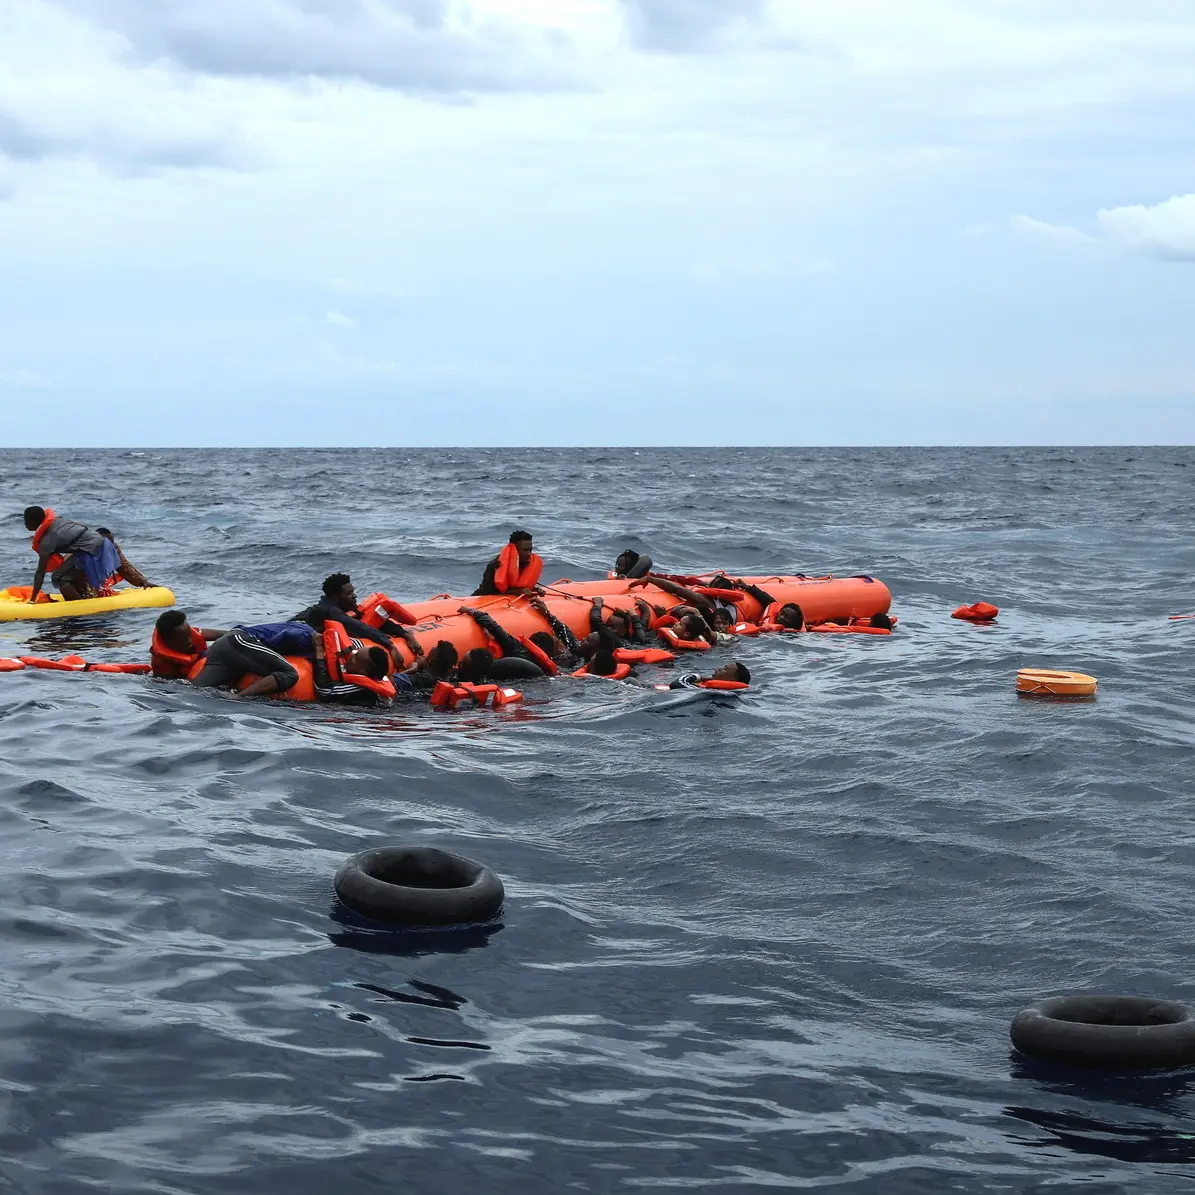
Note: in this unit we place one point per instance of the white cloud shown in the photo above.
(1164, 230)
(423, 46)
(1028, 226)
(23, 380)
(339, 320)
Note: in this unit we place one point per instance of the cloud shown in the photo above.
(678, 26)
(1165, 230)
(421, 46)
(759, 269)
(132, 149)
(1028, 226)
(339, 320)
(23, 380)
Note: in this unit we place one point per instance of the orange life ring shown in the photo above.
(1044, 682)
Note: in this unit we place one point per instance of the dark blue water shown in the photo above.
(749, 944)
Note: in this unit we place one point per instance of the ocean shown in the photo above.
(757, 943)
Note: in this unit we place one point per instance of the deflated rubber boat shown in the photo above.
(15, 605)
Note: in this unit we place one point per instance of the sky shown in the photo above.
(612, 222)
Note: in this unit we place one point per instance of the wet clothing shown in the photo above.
(489, 586)
(638, 633)
(510, 647)
(63, 537)
(88, 555)
(327, 607)
(261, 650)
(690, 680)
(132, 575)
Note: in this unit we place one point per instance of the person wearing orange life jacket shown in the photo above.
(126, 572)
(80, 561)
(515, 570)
(338, 602)
(178, 650)
(261, 651)
(718, 613)
(731, 676)
(625, 626)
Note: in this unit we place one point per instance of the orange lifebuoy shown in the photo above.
(1044, 682)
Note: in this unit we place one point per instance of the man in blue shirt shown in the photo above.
(261, 651)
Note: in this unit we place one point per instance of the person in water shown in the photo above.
(627, 627)
(515, 570)
(734, 672)
(559, 644)
(261, 651)
(632, 564)
(80, 561)
(339, 603)
(721, 615)
(428, 670)
(126, 572)
(177, 646)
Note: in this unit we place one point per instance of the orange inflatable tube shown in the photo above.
(820, 598)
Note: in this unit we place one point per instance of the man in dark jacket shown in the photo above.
(339, 603)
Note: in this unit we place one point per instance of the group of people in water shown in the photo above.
(363, 654)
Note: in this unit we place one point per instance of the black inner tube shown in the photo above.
(419, 885)
(515, 668)
(1115, 1032)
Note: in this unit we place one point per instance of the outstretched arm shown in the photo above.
(686, 595)
(501, 636)
(39, 577)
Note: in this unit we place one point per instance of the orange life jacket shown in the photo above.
(855, 626)
(642, 655)
(508, 576)
(377, 607)
(540, 656)
(977, 612)
(178, 665)
(71, 664)
(621, 672)
(684, 644)
(721, 684)
(54, 561)
(338, 646)
(446, 696)
(11, 665)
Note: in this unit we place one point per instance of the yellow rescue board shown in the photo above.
(15, 607)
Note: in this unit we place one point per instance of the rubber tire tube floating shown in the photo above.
(1111, 1032)
(419, 885)
(1042, 682)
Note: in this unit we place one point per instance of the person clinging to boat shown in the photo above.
(515, 570)
(338, 602)
(631, 564)
(80, 560)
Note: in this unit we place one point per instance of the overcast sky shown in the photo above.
(420, 222)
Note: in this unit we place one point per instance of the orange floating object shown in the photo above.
(1044, 682)
(979, 612)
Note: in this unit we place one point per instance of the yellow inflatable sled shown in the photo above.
(15, 607)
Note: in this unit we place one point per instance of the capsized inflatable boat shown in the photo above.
(15, 607)
(822, 600)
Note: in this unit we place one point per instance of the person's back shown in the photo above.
(81, 560)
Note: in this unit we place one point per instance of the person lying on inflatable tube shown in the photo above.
(540, 654)
(429, 670)
(730, 676)
(516, 569)
(356, 672)
(339, 603)
(719, 612)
